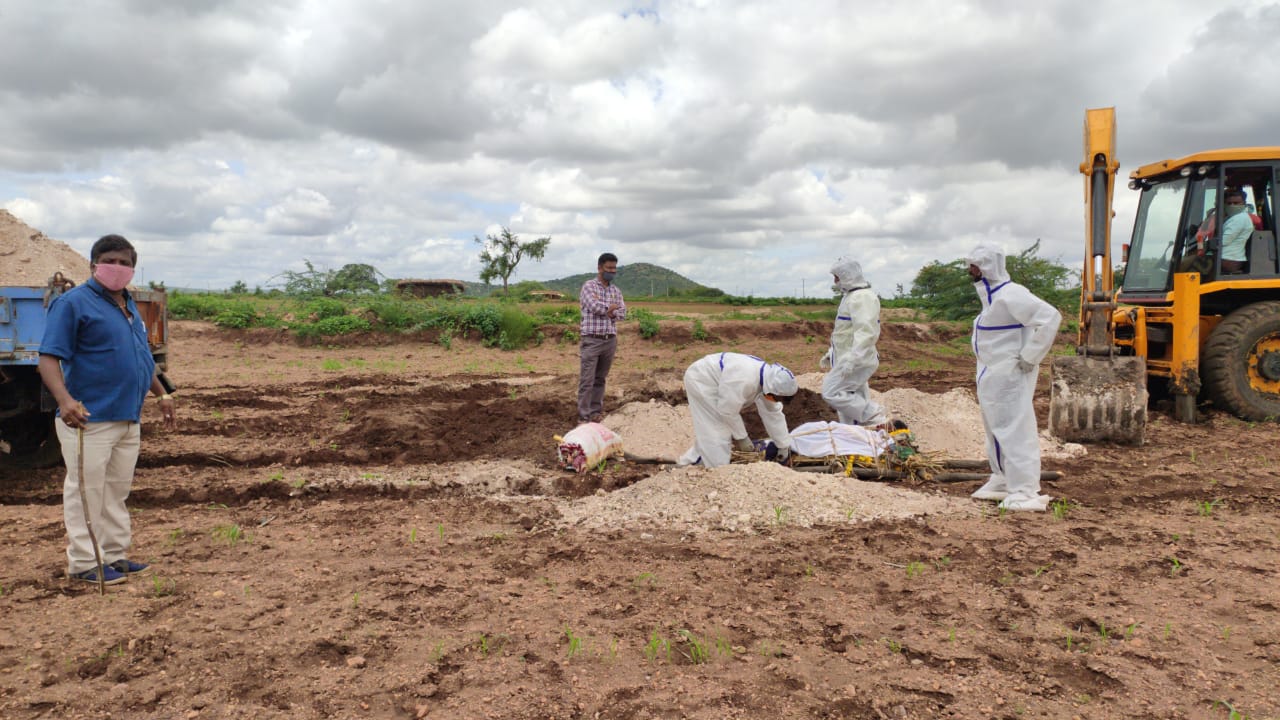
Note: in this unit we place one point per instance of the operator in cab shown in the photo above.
(1235, 232)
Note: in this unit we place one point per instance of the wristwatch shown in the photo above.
(166, 396)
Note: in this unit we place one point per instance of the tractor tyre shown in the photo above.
(1241, 362)
(38, 448)
(49, 454)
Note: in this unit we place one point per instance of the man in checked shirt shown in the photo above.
(602, 308)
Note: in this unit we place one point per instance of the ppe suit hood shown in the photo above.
(779, 381)
(991, 262)
(850, 274)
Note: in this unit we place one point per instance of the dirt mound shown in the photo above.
(29, 257)
(653, 428)
(949, 423)
(751, 496)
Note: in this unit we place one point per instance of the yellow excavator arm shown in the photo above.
(1098, 394)
(1097, 296)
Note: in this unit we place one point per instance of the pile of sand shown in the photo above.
(29, 257)
(747, 497)
(653, 429)
(949, 424)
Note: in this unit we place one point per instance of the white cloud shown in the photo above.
(745, 144)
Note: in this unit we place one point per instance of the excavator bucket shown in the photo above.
(1098, 399)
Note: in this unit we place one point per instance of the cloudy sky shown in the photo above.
(744, 144)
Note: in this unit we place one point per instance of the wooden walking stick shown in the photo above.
(84, 506)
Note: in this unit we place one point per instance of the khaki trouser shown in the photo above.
(110, 453)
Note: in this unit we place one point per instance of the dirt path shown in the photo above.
(380, 531)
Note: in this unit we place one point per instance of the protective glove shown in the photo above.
(1026, 367)
(773, 452)
(743, 444)
(825, 362)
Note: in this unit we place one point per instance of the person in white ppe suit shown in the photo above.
(719, 387)
(1012, 334)
(852, 357)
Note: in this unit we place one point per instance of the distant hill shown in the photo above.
(635, 280)
(638, 280)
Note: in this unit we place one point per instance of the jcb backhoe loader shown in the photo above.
(1194, 317)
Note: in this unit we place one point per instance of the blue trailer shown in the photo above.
(26, 407)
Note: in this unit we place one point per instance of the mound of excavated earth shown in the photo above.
(949, 425)
(29, 257)
(751, 496)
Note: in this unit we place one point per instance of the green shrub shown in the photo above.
(648, 322)
(268, 320)
(343, 325)
(395, 313)
(323, 308)
(183, 306)
(699, 332)
(486, 318)
(235, 315)
(516, 328)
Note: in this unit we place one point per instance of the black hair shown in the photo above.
(607, 257)
(111, 243)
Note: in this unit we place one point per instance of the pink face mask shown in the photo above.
(113, 277)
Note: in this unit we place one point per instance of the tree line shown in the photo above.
(943, 291)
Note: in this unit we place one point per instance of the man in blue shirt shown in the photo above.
(1235, 232)
(96, 362)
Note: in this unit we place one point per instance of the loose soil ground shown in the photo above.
(407, 548)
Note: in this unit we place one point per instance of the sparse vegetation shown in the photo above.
(699, 332)
(647, 321)
(645, 580)
(1232, 713)
(1206, 507)
(697, 650)
(657, 647)
(163, 586)
(780, 514)
(229, 534)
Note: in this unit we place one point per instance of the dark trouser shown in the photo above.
(596, 357)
